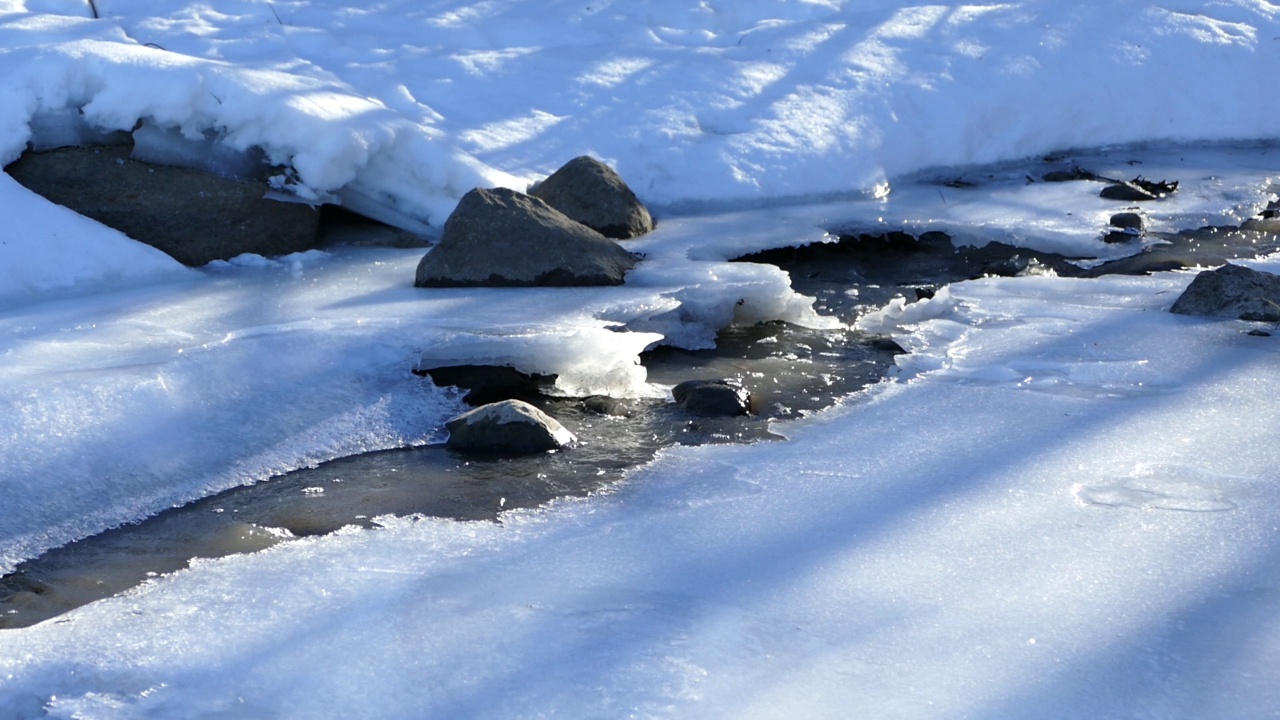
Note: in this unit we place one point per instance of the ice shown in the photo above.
(169, 146)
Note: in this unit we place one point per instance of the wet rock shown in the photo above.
(1139, 189)
(1126, 192)
(1269, 224)
(1127, 221)
(1271, 211)
(509, 426)
(605, 405)
(1074, 173)
(194, 216)
(712, 398)
(489, 383)
(590, 192)
(1121, 236)
(1232, 291)
(504, 238)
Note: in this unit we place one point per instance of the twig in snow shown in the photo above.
(94, 7)
(273, 12)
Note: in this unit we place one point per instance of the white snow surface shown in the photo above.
(1064, 504)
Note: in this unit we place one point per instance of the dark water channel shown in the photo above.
(791, 371)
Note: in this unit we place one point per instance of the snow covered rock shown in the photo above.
(193, 216)
(505, 238)
(1232, 291)
(509, 426)
(712, 398)
(591, 192)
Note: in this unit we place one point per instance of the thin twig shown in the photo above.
(273, 12)
(94, 7)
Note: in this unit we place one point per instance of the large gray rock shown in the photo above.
(193, 216)
(509, 426)
(502, 238)
(590, 192)
(1232, 291)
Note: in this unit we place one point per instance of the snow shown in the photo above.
(1063, 504)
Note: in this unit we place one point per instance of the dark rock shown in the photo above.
(590, 192)
(1258, 333)
(1121, 236)
(1271, 211)
(712, 398)
(1127, 221)
(489, 383)
(605, 405)
(1126, 192)
(192, 215)
(503, 238)
(509, 426)
(1232, 291)
(1075, 173)
(1159, 189)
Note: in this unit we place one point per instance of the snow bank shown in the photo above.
(694, 104)
(46, 247)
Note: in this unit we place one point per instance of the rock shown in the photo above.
(194, 216)
(1232, 291)
(605, 405)
(1127, 192)
(1120, 236)
(712, 398)
(1127, 221)
(488, 383)
(1075, 173)
(1139, 189)
(590, 192)
(509, 426)
(503, 238)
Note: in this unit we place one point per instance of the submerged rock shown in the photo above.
(504, 238)
(712, 398)
(1232, 291)
(194, 216)
(509, 426)
(591, 193)
(605, 405)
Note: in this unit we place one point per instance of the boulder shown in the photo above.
(194, 216)
(712, 398)
(1232, 291)
(590, 192)
(504, 238)
(509, 426)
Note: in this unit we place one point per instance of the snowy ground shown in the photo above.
(1064, 505)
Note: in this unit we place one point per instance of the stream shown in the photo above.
(790, 371)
